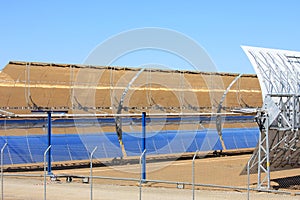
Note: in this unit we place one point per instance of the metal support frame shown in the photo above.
(141, 176)
(120, 107)
(248, 176)
(284, 128)
(41, 113)
(45, 172)
(220, 106)
(263, 171)
(193, 174)
(49, 122)
(279, 135)
(144, 145)
(91, 172)
(279, 120)
(2, 150)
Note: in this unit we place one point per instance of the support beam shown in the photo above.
(120, 107)
(144, 145)
(49, 133)
(49, 122)
(263, 152)
(220, 106)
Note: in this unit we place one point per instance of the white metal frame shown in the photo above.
(278, 72)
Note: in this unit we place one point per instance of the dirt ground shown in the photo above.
(220, 171)
(16, 189)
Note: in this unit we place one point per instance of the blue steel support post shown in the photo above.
(144, 146)
(49, 141)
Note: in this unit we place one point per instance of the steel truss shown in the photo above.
(263, 159)
(279, 119)
(278, 146)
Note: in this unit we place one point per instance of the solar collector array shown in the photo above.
(68, 147)
(30, 148)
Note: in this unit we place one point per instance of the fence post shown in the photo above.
(2, 150)
(141, 176)
(45, 171)
(91, 171)
(248, 177)
(193, 173)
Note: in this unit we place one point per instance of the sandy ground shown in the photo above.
(220, 171)
(17, 189)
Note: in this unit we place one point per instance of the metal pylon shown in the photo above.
(263, 171)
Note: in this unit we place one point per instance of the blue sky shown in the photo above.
(67, 31)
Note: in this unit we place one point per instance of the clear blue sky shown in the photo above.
(67, 31)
